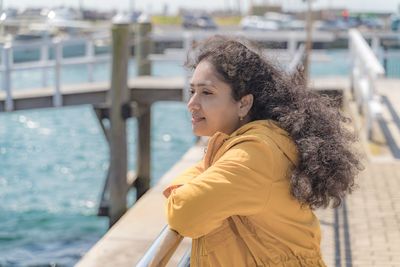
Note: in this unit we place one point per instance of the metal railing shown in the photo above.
(366, 70)
(90, 58)
(162, 249)
(44, 63)
(391, 62)
(297, 60)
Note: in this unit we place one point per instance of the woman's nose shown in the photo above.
(193, 103)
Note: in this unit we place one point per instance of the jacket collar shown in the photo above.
(263, 129)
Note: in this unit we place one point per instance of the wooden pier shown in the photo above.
(144, 89)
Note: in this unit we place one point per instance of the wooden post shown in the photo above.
(143, 46)
(118, 96)
(142, 182)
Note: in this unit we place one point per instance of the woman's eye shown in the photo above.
(191, 92)
(207, 93)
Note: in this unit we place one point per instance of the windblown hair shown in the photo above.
(327, 163)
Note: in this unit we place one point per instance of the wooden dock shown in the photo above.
(144, 89)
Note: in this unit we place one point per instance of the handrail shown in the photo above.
(366, 70)
(8, 66)
(185, 260)
(364, 52)
(162, 249)
(297, 59)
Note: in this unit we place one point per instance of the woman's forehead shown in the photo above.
(204, 73)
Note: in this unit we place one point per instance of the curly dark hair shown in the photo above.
(327, 162)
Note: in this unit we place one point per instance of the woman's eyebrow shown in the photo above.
(206, 83)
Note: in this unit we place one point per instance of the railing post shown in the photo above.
(57, 98)
(366, 70)
(291, 44)
(90, 56)
(353, 63)
(187, 46)
(143, 46)
(117, 98)
(7, 58)
(44, 57)
(297, 60)
(375, 44)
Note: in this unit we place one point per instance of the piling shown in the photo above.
(143, 46)
(117, 98)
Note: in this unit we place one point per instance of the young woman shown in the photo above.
(276, 152)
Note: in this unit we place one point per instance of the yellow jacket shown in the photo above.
(236, 203)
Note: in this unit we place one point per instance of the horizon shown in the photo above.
(172, 7)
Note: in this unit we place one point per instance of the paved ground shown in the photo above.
(365, 230)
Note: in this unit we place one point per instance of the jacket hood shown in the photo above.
(270, 129)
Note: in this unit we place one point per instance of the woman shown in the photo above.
(276, 152)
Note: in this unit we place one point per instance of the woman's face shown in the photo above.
(211, 103)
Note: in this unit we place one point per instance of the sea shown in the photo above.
(53, 164)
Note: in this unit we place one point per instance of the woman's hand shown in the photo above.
(169, 189)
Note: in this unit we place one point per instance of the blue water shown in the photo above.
(53, 163)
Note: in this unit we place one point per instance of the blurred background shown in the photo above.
(53, 161)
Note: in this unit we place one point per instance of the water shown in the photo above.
(53, 163)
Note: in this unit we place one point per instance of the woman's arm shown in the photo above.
(184, 177)
(237, 184)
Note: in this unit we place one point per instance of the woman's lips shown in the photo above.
(197, 119)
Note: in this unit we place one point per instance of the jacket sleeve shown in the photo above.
(238, 183)
(184, 177)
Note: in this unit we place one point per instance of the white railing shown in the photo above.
(297, 60)
(392, 69)
(162, 249)
(44, 63)
(366, 70)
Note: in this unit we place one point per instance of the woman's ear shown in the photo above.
(245, 104)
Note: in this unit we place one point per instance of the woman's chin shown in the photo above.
(200, 132)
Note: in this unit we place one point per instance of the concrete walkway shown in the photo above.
(365, 230)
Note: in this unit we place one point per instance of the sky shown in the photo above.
(156, 6)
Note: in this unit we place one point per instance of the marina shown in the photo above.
(152, 104)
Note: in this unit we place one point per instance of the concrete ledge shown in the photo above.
(127, 241)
